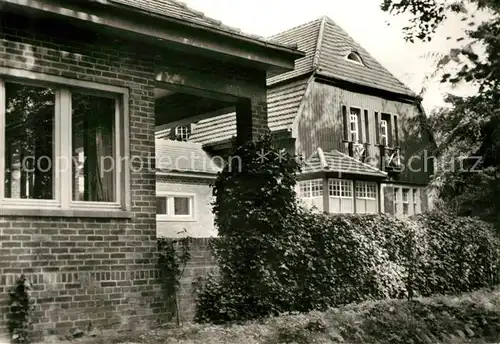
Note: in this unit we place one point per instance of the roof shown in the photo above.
(179, 10)
(283, 103)
(326, 46)
(335, 161)
(178, 156)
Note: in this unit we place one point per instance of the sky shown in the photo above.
(363, 20)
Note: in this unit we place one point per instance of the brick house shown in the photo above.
(79, 86)
(356, 126)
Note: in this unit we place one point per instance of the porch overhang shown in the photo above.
(165, 31)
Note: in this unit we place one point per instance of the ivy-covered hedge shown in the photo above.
(276, 257)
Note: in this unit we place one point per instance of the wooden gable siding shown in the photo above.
(320, 124)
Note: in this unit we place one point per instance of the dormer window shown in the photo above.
(355, 58)
(182, 132)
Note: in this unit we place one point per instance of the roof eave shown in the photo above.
(408, 96)
(293, 50)
(259, 53)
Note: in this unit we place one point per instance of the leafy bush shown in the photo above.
(276, 257)
(465, 319)
(21, 307)
(173, 255)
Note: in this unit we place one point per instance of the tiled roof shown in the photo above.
(283, 102)
(326, 45)
(179, 10)
(336, 161)
(178, 156)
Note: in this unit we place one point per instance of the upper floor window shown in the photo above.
(384, 132)
(182, 132)
(354, 57)
(62, 146)
(354, 119)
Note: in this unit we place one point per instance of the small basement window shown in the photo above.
(354, 57)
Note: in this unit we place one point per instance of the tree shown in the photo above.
(469, 132)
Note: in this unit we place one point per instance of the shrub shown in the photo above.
(465, 319)
(276, 257)
(173, 255)
(21, 307)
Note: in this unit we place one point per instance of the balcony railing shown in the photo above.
(358, 151)
(391, 159)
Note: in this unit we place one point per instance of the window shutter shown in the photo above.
(396, 134)
(345, 123)
(377, 128)
(367, 128)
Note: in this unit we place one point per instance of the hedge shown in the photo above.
(468, 318)
(275, 256)
(341, 259)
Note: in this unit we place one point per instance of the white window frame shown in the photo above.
(384, 132)
(396, 200)
(307, 185)
(170, 216)
(354, 119)
(63, 200)
(343, 192)
(405, 202)
(364, 187)
(417, 206)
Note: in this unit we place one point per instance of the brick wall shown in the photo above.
(201, 264)
(85, 270)
(90, 270)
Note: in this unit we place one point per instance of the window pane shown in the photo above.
(181, 206)
(405, 195)
(405, 208)
(29, 142)
(161, 205)
(93, 148)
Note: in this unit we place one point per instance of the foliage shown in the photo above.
(173, 255)
(275, 256)
(466, 319)
(254, 211)
(471, 127)
(21, 307)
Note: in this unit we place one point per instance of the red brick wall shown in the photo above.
(201, 264)
(89, 270)
(86, 269)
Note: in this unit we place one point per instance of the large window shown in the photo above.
(366, 197)
(63, 146)
(311, 193)
(174, 207)
(341, 196)
(407, 201)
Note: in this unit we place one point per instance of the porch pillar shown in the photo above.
(251, 118)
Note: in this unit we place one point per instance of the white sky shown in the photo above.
(362, 19)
